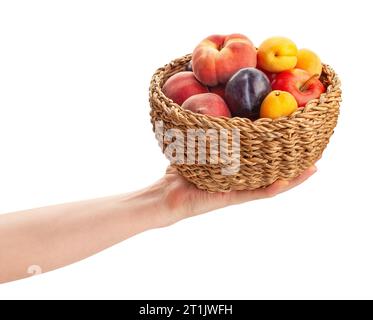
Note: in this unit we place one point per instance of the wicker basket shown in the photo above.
(269, 149)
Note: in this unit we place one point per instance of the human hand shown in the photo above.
(182, 199)
(74, 231)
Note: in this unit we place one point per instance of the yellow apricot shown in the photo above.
(309, 61)
(278, 104)
(277, 54)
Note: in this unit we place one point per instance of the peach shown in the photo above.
(218, 57)
(207, 103)
(277, 54)
(309, 61)
(278, 104)
(181, 86)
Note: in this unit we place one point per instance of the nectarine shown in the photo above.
(181, 86)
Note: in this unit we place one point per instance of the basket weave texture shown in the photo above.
(269, 149)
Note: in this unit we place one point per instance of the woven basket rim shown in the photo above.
(331, 87)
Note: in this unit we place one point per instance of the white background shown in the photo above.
(74, 124)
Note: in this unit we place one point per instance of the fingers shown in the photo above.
(235, 197)
(300, 179)
(275, 188)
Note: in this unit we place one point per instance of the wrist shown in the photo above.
(148, 206)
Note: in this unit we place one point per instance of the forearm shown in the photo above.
(56, 236)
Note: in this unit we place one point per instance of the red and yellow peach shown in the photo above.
(218, 57)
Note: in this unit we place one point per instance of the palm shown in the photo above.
(185, 200)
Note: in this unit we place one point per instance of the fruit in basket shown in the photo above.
(302, 85)
(245, 92)
(181, 86)
(219, 90)
(277, 54)
(189, 66)
(207, 103)
(309, 61)
(278, 104)
(218, 57)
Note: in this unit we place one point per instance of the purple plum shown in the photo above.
(189, 66)
(245, 92)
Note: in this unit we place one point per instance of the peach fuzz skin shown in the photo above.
(277, 54)
(218, 57)
(209, 104)
(181, 86)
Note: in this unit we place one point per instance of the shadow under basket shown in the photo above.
(267, 149)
